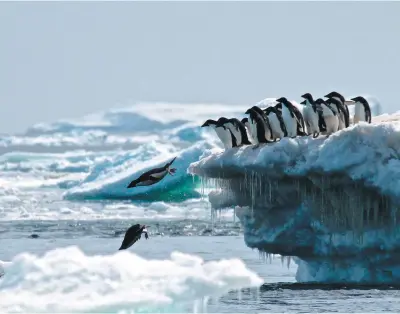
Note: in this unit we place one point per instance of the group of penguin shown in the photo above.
(320, 116)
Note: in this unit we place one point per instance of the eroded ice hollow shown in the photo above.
(331, 203)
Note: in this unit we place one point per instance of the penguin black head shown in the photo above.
(258, 110)
(249, 110)
(320, 101)
(333, 101)
(209, 122)
(282, 100)
(245, 120)
(335, 94)
(221, 121)
(307, 96)
(360, 99)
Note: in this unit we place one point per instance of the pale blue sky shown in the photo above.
(63, 60)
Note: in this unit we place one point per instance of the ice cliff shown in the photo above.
(331, 203)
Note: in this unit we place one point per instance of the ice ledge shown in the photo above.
(331, 202)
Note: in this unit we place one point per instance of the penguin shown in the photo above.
(223, 123)
(241, 134)
(278, 127)
(362, 111)
(222, 133)
(292, 116)
(329, 116)
(311, 115)
(340, 98)
(133, 234)
(266, 119)
(153, 176)
(337, 105)
(245, 122)
(259, 128)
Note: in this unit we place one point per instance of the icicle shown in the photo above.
(288, 261)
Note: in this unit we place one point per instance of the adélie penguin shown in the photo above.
(339, 97)
(259, 129)
(278, 127)
(245, 122)
(343, 115)
(362, 111)
(132, 235)
(224, 124)
(223, 134)
(239, 131)
(292, 116)
(153, 176)
(329, 116)
(267, 122)
(311, 114)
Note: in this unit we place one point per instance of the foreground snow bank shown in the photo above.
(66, 280)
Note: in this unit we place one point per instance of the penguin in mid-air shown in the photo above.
(362, 111)
(222, 133)
(311, 115)
(329, 116)
(153, 176)
(292, 116)
(133, 234)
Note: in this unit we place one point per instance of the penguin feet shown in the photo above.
(171, 171)
(256, 146)
(315, 135)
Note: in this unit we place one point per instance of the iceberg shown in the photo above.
(66, 280)
(331, 203)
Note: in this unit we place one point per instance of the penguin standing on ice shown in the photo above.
(278, 127)
(311, 115)
(153, 176)
(239, 131)
(223, 124)
(222, 133)
(362, 111)
(293, 118)
(339, 97)
(246, 124)
(340, 109)
(132, 235)
(329, 116)
(260, 130)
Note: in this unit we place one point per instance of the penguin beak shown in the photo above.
(204, 124)
(303, 102)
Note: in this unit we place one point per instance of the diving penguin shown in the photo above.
(153, 176)
(133, 234)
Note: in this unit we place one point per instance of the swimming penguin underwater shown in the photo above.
(133, 234)
(153, 176)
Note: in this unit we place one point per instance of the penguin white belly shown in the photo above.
(253, 131)
(359, 113)
(222, 134)
(145, 183)
(342, 123)
(275, 126)
(236, 133)
(332, 124)
(311, 118)
(290, 122)
(249, 134)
